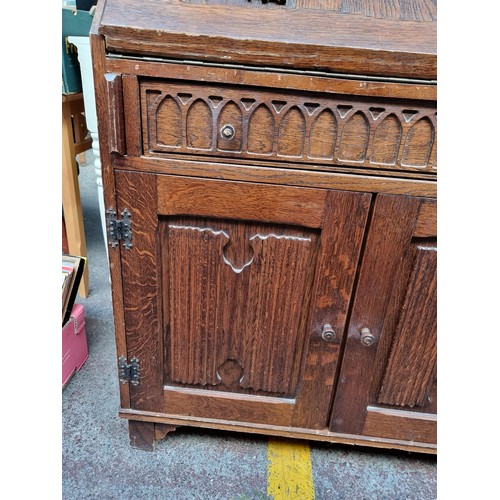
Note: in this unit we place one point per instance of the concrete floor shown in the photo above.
(99, 463)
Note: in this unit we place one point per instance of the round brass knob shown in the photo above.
(227, 132)
(327, 333)
(367, 337)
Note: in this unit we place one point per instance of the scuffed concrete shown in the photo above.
(342, 472)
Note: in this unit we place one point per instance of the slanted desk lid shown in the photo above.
(391, 38)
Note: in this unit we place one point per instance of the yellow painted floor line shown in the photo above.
(289, 471)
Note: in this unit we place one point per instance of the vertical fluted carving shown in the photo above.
(214, 265)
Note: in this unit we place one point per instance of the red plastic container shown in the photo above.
(74, 344)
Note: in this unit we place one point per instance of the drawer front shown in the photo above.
(245, 122)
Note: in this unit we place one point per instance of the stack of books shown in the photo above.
(72, 272)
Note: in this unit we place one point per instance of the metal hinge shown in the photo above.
(129, 372)
(279, 2)
(119, 230)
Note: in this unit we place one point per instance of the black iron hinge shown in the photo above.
(129, 372)
(119, 230)
(279, 2)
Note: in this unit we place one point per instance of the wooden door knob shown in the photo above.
(367, 337)
(328, 333)
(227, 132)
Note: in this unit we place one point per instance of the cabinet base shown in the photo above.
(144, 426)
(144, 435)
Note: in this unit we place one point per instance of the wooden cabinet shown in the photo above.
(228, 287)
(272, 230)
(387, 383)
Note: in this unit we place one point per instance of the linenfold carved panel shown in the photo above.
(182, 118)
(234, 303)
(411, 369)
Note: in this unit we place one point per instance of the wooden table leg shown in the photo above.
(71, 196)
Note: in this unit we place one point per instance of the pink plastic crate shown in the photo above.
(74, 344)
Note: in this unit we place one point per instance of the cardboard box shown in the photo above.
(74, 23)
(74, 344)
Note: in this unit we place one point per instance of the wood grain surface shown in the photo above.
(233, 407)
(230, 325)
(408, 426)
(246, 201)
(279, 173)
(108, 180)
(340, 247)
(141, 298)
(281, 177)
(423, 11)
(236, 295)
(396, 301)
(306, 128)
(282, 431)
(237, 309)
(411, 367)
(116, 120)
(142, 435)
(291, 81)
(133, 130)
(320, 39)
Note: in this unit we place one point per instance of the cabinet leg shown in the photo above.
(143, 435)
(161, 430)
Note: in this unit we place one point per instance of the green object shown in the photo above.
(74, 23)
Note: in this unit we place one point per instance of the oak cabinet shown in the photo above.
(387, 384)
(227, 289)
(272, 230)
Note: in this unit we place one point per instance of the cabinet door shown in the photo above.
(227, 290)
(387, 383)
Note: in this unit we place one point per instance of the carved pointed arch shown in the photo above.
(418, 144)
(169, 122)
(261, 131)
(292, 133)
(199, 126)
(323, 136)
(231, 115)
(354, 141)
(386, 141)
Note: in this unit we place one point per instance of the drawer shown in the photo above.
(303, 128)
